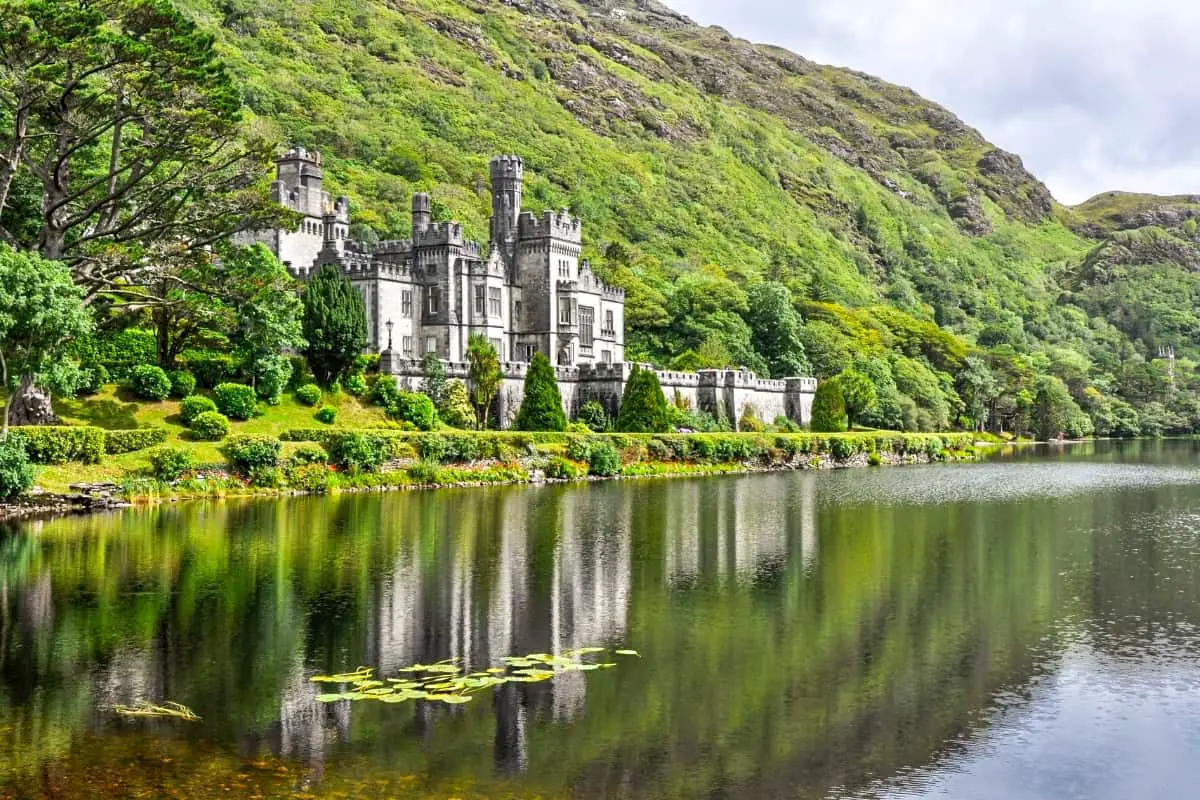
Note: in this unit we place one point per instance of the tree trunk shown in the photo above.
(31, 405)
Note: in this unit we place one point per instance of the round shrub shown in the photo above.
(309, 454)
(150, 383)
(210, 426)
(356, 452)
(603, 459)
(92, 377)
(183, 384)
(308, 477)
(327, 414)
(356, 385)
(236, 400)
(309, 394)
(171, 463)
(194, 406)
(385, 392)
(593, 415)
(265, 477)
(249, 453)
(415, 408)
(16, 473)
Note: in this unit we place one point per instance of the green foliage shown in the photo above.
(326, 414)
(777, 329)
(434, 384)
(357, 452)
(643, 407)
(93, 378)
(542, 408)
(563, 469)
(483, 377)
(309, 454)
(593, 415)
(1055, 412)
(458, 412)
(415, 408)
(194, 406)
(118, 352)
(335, 323)
(16, 473)
(210, 368)
(150, 382)
(48, 444)
(183, 384)
(248, 453)
(236, 400)
(749, 422)
(271, 375)
(385, 392)
(169, 464)
(829, 408)
(210, 426)
(858, 393)
(309, 394)
(603, 460)
(355, 384)
(131, 441)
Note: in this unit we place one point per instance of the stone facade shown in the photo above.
(528, 291)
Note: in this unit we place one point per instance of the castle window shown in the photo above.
(431, 345)
(480, 297)
(606, 356)
(608, 321)
(435, 300)
(587, 319)
(494, 302)
(407, 345)
(516, 312)
(406, 303)
(499, 348)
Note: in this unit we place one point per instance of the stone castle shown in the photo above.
(528, 292)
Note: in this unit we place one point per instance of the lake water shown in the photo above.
(1023, 628)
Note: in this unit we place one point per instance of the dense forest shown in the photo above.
(758, 208)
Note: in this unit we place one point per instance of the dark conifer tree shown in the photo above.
(643, 406)
(335, 324)
(542, 408)
(829, 408)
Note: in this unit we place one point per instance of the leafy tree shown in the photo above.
(643, 406)
(858, 393)
(777, 329)
(41, 313)
(124, 130)
(459, 413)
(1055, 411)
(435, 383)
(978, 389)
(483, 376)
(16, 473)
(593, 415)
(829, 408)
(335, 322)
(542, 407)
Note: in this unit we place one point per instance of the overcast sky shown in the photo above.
(1093, 94)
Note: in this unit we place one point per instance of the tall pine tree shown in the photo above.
(643, 406)
(335, 322)
(542, 408)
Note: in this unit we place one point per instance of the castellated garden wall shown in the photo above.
(724, 392)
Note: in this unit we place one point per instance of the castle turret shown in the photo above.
(299, 171)
(507, 175)
(421, 214)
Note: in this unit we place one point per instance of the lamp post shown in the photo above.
(388, 325)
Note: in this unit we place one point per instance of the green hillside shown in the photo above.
(703, 165)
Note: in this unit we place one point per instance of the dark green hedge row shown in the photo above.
(52, 444)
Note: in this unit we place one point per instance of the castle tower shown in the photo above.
(421, 214)
(508, 173)
(299, 171)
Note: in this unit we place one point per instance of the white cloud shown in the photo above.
(1093, 94)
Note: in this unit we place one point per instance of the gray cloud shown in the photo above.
(1093, 94)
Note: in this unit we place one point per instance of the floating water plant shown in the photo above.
(144, 708)
(449, 682)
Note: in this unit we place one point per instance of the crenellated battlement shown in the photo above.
(551, 225)
(301, 154)
(507, 167)
(387, 247)
(440, 233)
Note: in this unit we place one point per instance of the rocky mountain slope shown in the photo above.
(702, 163)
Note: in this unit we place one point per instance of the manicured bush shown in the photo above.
(171, 463)
(117, 442)
(309, 454)
(49, 444)
(210, 367)
(265, 477)
(357, 452)
(149, 382)
(326, 414)
(211, 426)
(308, 477)
(385, 391)
(593, 415)
(16, 473)
(355, 385)
(119, 352)
(783, 424)
(829, 409)
(542, 408)
(603, 459)
(750, 423)
(246, 453)
(309, 394)
(93, 377)
(183, 384)
(194, 406)
(643, 407)
(458, 411)
(560, 469)
(236, 400)
(416, 408)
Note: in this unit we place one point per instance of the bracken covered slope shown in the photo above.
(688, 152)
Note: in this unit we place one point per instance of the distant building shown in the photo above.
(527, 292)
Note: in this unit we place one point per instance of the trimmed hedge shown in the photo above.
(118, 442)
(249, 453)
(54, 444)
(211, 426)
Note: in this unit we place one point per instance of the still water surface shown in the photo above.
(1023, 628)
